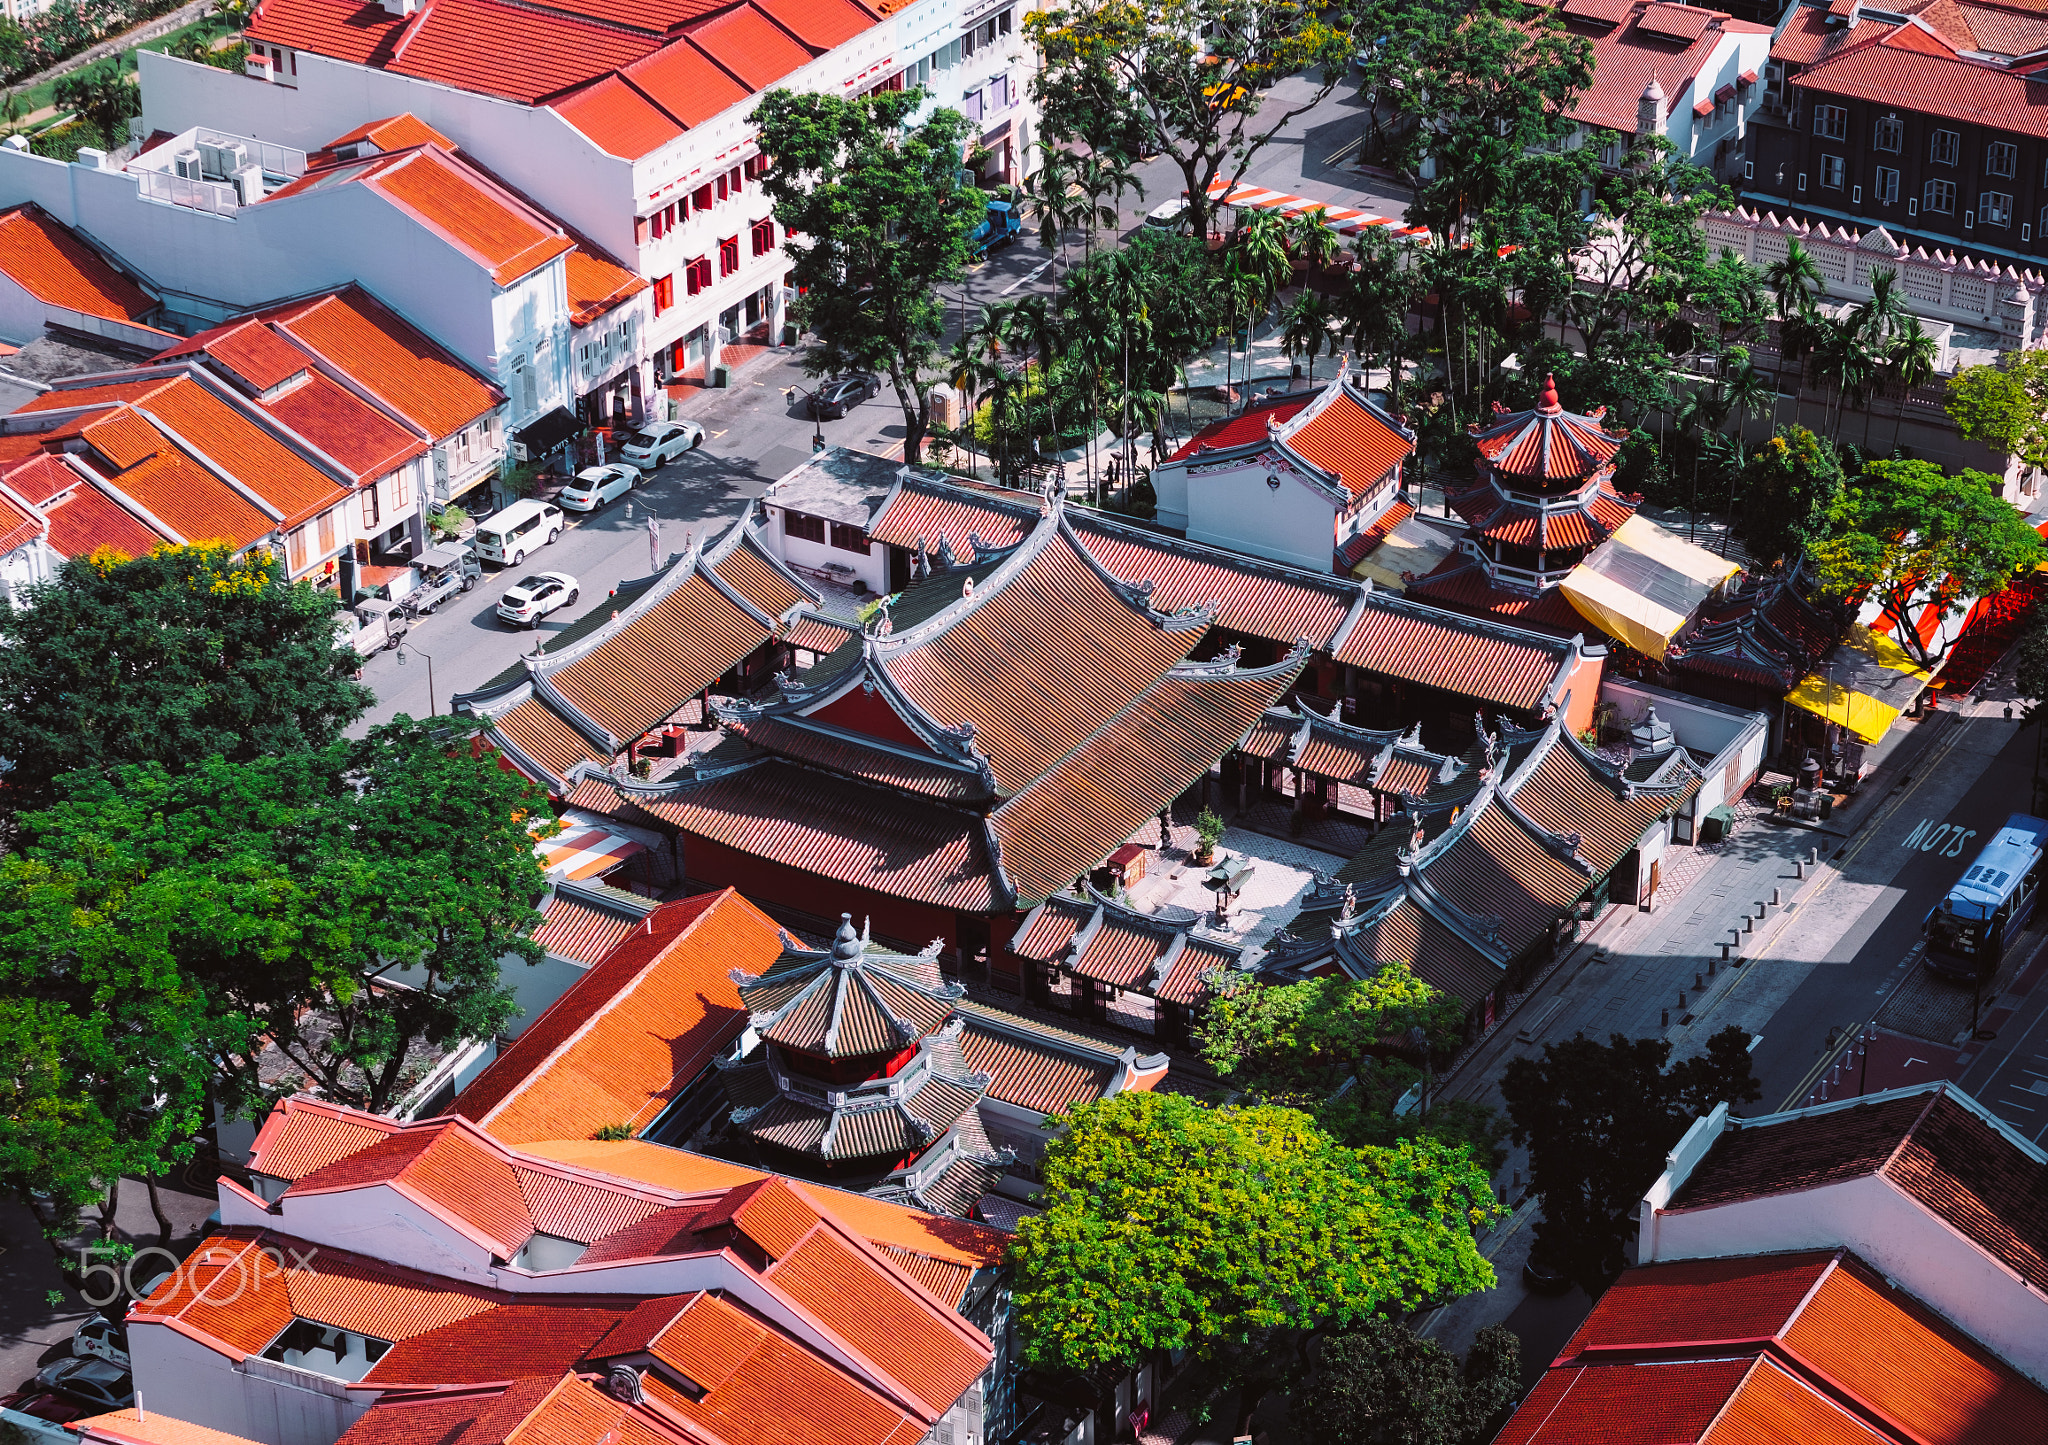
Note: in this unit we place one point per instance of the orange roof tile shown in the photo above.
(39, 476)
(17, 525)
(820, 24)
(394, 133)
(48, 261)
(301, 1135)
(345, 427)
(191, 500)
(745, 42)
(251, 351)
(386, 356)
(597, 284)
(618, 119)
(244, 450)
(470, 214)
(88, 519)
(682, 80)
(1347, 438)
(509, 1342)
(629, 1033)
(138, 1427)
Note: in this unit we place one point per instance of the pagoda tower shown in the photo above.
(1542, 498)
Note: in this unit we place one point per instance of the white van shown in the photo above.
(507, 537)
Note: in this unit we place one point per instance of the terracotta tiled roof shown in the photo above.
(191, 500)
(443, 1168)
(244, 450)
(1822, 1321)
(1461, 583)
(1095, 937)
(18, 525)
(820, 24)
(301, 1135)
(46, 260)
(1418, 643)
(829, 748)
(684, 82)
(1807, 36)
(87, 519)
(1930, 1147)
(750, 45)
(1247, 426)
(136, 1426)
(1913, 70)
(1360, 547)
(1546, 443)
(761, 578)
(1569, 791)
(927, 511)
(541, 735)
(925, 1348)
(235, 1290)
(628, 1034)
(510, 1342)
(849, 1000)
(1129, 767)
(350, 431)
(1034, 1073)
(466, 211)
(999, 664)
(1255, 598)
(834, 827)
(944, 1280)
(618, 119)
(251, 351)
(585, 923)
(1348, 437)
(1668, 43)
(37, 476)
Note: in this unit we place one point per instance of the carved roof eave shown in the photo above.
(1237, 561)
(972, 768)
(530, 765)
(1136, 595)
(952, 746)
(1471, 931)
(999, 876)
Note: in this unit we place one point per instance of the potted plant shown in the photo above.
(1208, 833)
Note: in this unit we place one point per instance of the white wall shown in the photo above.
(33, 561)
(278, 248)
(872, 569)
(258, 1399)
(1295, 522)
(1890, 1232)
(1735, 737)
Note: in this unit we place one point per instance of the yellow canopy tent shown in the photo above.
(1868, 681)
(1643, 584)
(1414, 547)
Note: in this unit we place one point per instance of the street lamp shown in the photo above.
(817, 419)
(432, 710)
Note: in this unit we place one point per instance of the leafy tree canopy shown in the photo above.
(105, 96)
(346, 906)
(1183, 78)
(1303, 1039)
(1908, 533)
(878, 220)
(172, 658)
(2005, 405)
(1382, 1384)
(1790, 485)
(1598, 1120)
(1168, 1224)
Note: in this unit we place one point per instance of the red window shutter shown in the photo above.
(640, 230)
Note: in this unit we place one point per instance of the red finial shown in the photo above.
(1549, 401)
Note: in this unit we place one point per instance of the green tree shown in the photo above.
(2005, 405)
(1182, 78)
(1789, 486)
(1909, 534)
(1909, 365)
(1382, 1384)
(347, 907)
(104, 96)
(1308, 327)
(1598, 1120)
(1301, 1040)
(170, 658)
(1240, 1233)
(878, 220)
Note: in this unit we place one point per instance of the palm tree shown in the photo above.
(1052, 198)
(1313, 241)
(1910, 363)
(1308, 328)
(1879, 318)
(1795, 282)
(1104, 175)
(1702, 411)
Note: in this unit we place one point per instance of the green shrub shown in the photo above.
(61, 143)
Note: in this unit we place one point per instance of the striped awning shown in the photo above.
(1865, 684)
(1644, 584)
(1343, 219)
(583, 851)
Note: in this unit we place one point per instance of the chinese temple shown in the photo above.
(874, 1071)
(1551, 543)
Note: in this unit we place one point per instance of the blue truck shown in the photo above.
(1000, 227)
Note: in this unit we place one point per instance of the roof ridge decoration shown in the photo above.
(1481, 932)
(1202, 551)
(1563, 845)
(1194, 617)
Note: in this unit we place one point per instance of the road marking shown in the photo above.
(1338, 154)
(721, 433)
(1023, 280)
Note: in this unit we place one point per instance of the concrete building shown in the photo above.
(633, 121)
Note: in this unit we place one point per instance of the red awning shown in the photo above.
(1748, 77)
(1705, 107)
(1726, 92)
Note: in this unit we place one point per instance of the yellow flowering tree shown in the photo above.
(1240, 1233)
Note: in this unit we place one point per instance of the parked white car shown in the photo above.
(660, 441)
(592, 487)
(531, 598)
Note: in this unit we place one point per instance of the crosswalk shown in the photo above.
(1344, 220)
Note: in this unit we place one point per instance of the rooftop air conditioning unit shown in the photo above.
(248, 182)
(187, 164)
(234, 157)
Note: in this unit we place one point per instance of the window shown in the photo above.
(295, 549)
(1887, 188)
(401, 488)
(728, 255)
(1831, 169)
(721, 186)
(1945, 147)
(764, 237)
(370, 506)
(1994, 208)
(1940, 197)
(811, 529)
(700, 199)
(970, 105)
(664, 293)
(999, 93)
(2044, 223)
(734, 181)
(849, 539)
(327, 532)
(1891, 133)
(1830, 122)
(697, 275)
(2001, 158)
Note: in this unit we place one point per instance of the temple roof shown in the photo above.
(1463, 583)
(1485, 864)
(1546, 443)
(1768, 634)
(1095, 937)
(849, 1000)
(1386, 761)
(1572, 521)
(1339, 440)
(603, 688)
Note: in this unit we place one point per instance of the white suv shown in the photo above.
(660, 441)
(531, 598)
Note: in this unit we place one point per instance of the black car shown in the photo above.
(840, 395)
